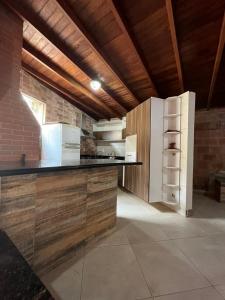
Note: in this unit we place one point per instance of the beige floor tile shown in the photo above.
(112, 273)
(177, 226)
(201, 294)
(64, 282)
(144, 232)
(114, 237)
(208, 255)
(166, 269)
(221, 290)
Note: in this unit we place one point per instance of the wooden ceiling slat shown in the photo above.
(80, 27)
(60, 72)
(50, 35)
(217, 62)
(172, 28)
(147, 21)
(62, 91)
(121, 21)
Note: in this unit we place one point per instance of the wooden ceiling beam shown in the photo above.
(31, 17)
(172, 28)
(62, 91)
(131, 42)
(71, 15)
(44, 60)
(217, 62)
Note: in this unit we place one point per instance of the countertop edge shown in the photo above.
(32, 170)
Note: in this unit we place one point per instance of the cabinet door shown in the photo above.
(137, 177)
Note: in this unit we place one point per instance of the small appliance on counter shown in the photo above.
(60, 142)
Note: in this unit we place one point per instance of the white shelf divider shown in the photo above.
(172, 168)
(172, 116)
(172, 150)
(171, 185)
(172, 132)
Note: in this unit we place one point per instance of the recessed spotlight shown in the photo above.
(95, 85)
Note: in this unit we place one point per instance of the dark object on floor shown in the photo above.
(17, 279)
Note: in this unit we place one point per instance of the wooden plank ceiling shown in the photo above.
(137, 49)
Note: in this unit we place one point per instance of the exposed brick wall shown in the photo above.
(209, 150)
(88, 146)
(19, 131)
(59, 110)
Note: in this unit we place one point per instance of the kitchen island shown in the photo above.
(51, 209)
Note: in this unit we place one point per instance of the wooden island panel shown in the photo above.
(60, 215)
(50, 215)
(17, 211)
(101, 202)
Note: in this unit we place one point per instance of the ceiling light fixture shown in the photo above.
(95, 85)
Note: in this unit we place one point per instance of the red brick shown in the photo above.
(14, 115)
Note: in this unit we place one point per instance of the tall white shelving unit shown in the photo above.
(171, 151)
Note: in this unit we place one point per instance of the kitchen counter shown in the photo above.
(51, 210)
(17, 168)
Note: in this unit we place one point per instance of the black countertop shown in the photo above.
(17, 168)
(17, 279)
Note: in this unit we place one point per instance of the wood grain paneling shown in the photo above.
(198, 29)
(137, 178)
(101, 201)
(99, 180)
(17, 211)
(148, 21)
(60, 216)
(49, 216)
(127, 45)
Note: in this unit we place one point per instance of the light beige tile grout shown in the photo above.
(148, 286)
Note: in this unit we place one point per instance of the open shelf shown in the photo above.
(172, 132)
(171, 185)
(172, 116)
(172, 150)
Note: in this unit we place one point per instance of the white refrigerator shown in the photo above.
(60, 142)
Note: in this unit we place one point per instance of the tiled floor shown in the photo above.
(152, 253)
